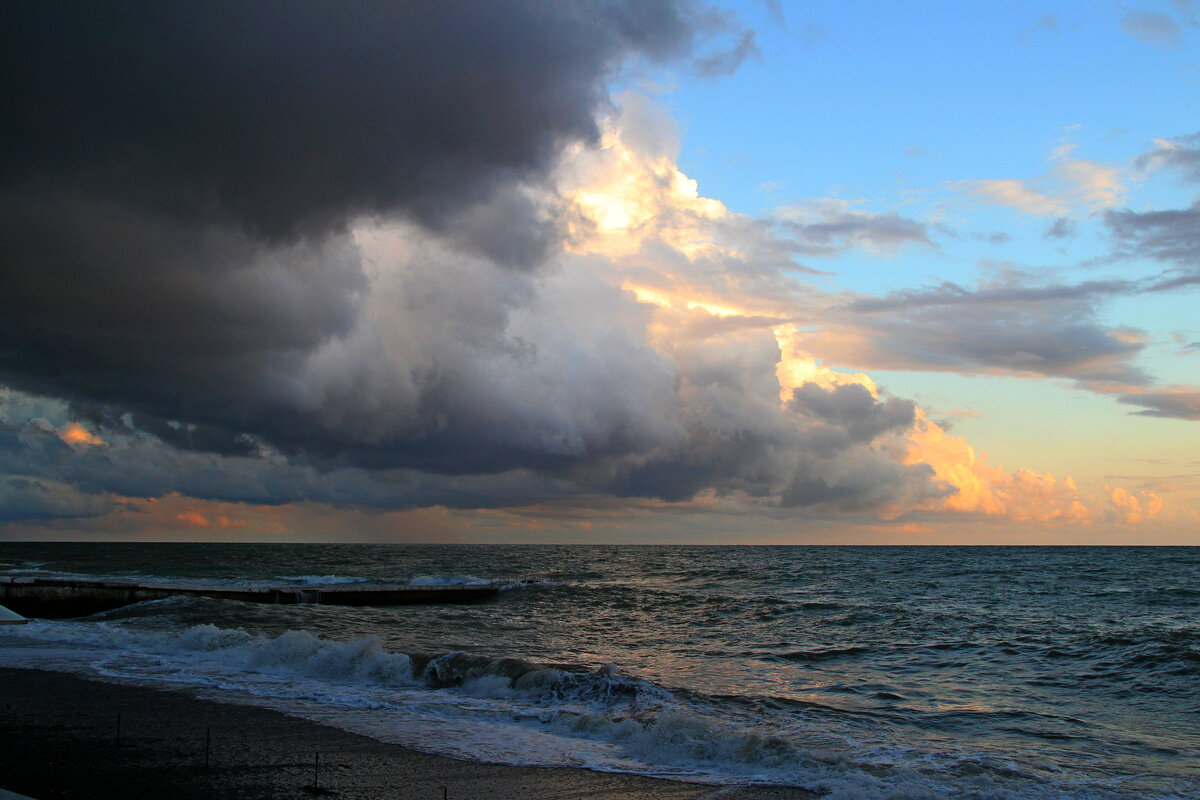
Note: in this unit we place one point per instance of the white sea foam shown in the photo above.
(448, 580)
(512, 711)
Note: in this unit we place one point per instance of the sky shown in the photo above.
(625, 271)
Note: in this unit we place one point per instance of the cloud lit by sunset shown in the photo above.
(590, 298)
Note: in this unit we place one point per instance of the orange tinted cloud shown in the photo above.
(75, 434)
(1133, 508)
(194, 519)
(1020, 496)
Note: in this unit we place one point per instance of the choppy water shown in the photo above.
(854, 672)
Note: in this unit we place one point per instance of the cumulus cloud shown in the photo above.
(77, 435)
(179, 182)
(1092, 185)
(191, 257)
(983, 490)
(392, 360)
(1133, 507)
(1003, 327)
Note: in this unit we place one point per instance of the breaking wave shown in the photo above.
(448, 580)
(525, 712)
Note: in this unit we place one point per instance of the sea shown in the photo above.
(853, 672)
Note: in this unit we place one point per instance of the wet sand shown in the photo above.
(59, 738)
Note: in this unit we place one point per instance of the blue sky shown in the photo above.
(842, 93)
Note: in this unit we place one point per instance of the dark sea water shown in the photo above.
(857, 672)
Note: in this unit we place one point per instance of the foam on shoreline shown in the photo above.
(54, 718)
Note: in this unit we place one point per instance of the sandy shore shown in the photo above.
(59, 739)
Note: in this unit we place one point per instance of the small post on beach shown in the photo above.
(317, 771)
(445, 793)
(207, 745)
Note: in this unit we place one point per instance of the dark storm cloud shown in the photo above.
(273, 252)
(41, 476)
(291, 117)
(450, 364)
(177, 180)
(108, 304)
(25, 498)
(733, 441)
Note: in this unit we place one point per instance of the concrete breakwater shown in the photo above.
(59, 598)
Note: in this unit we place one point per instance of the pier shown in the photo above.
(59, 598)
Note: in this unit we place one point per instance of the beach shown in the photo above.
(59, 738)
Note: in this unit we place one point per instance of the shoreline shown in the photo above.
(66, 736)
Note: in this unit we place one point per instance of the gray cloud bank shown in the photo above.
(1006, 327)
(309, 251)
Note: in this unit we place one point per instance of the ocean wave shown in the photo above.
(503, 709)
(647, 721)
(821, 654)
